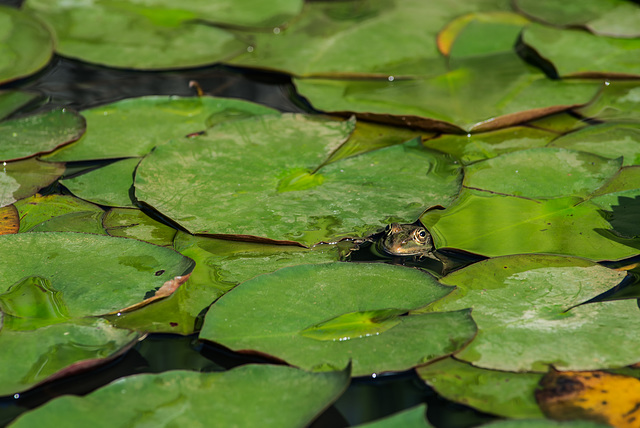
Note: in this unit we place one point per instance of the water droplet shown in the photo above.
(16, 396)
(391, 78)
(4, 163)
(468, 135)
(249, 48)
(607, 83)
(119, 314)
(64, 110)
(276, 30)
(374, 375)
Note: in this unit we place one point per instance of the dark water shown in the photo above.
(72, 84)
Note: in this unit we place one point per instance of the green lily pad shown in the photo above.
(81, 222)
(39, 133)
(26, 45)
(133, 223)
(13, 100)
(264, 169)
(506, 394)
(220, 266)
(618, 101)
(414, 417)
(95, 274)
(598, 56)
(122, 34)
(39, 209)
(23, 178)
(134, 126)
(486, 145)
(38, 355)
(607, 140)
(616, 18)
(542, 173)
(480, 94)
(497, 225)
(280, 396)
(524, 308)
(288, 302)
(109, 185)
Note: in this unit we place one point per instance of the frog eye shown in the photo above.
(421, 236)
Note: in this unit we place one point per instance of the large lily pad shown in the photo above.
(524, 308)
(617, 18)
(94, 274)
(484, 93)
(486, 145)
(37, 355)
(25, 44)
(122, 34)
(607, 140)
(505, 394)
(109, 185)
(132, 127)
(39, 133)
(597, 56)
(20, 179)
(260, 176)
(220, 266)
(280, 397)
(542, 173)
(322, 316)
(497, 225)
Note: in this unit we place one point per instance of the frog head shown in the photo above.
(406, 240)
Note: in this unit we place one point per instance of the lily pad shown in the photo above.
(542, 173)
(471, 148)
(39, 209)
(39, 133)
(606, 140)
(25, 43)
(220, 266)
(134, 126)
(506, 394)
(481, 94)
(133, 223)
(598, 56)
(525, 306)
(414, 417)
(9, 220)
(39, 355)
(617, 18)
(542, 423)
(13, 100)
(23, 178)
(288, 302)
(95, 274)
(618, 101)
(280, 397)
(122, 34)
(282, 192)
(110, 185)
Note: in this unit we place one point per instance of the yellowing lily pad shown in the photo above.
(23, 178)
(287, 305)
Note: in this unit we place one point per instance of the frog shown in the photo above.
(406, 240)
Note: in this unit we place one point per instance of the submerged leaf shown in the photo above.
(23, 178)
(354, 324)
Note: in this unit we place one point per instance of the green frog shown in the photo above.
(403, 240)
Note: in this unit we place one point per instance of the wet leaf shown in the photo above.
(109, 185)
(524, 306)
(486, 145)
(167, 289)
(39, 133)
(134, 126)
(94, 274)
(506, 394)
(39, 209)
(617, 18)
(414, 417)
(53, 351)
(282, 193)
(618, 101)
(542, 173)
(496, 225)
(289, 301)
(480, 94)
(9, 220)
(122, 34)
(33, 298)
(597, 396)
(82, 222)
(23, 178)
(281, 397)
(25, 43)
(606, 140)
(133, 223)
(354, 324)
(598, 56)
